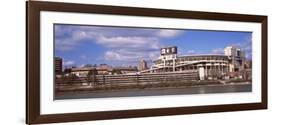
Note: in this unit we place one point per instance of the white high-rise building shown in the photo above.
(237, 58)
(142, 65)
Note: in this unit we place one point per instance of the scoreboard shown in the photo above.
(169, 50)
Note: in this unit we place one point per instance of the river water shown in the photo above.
(156, 92)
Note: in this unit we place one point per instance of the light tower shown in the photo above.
(168, 56)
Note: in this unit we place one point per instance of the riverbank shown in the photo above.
(196, 89)
(113, 87)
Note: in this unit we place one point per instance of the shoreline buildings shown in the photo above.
(102, 69)
(232, 63)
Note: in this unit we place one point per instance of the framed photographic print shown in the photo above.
(94, 62)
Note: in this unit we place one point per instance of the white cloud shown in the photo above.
(64, 44)
(246, 46)
(191, 52)
(70, 36)
(153, 55)
(218, 51)
(83, 57)
(128, 44)
(131, 56)
(68, 63)
(169, 33)
(111, 55)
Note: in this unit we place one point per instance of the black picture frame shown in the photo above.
(33, 9)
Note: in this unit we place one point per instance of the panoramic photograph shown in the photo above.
(93, 61)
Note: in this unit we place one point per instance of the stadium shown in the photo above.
(209, 66)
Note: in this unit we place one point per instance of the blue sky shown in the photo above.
(123, 46)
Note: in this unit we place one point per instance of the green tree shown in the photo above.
(116, 71)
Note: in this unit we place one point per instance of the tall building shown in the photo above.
(237, 58)
(142, 65)
(58, 65)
